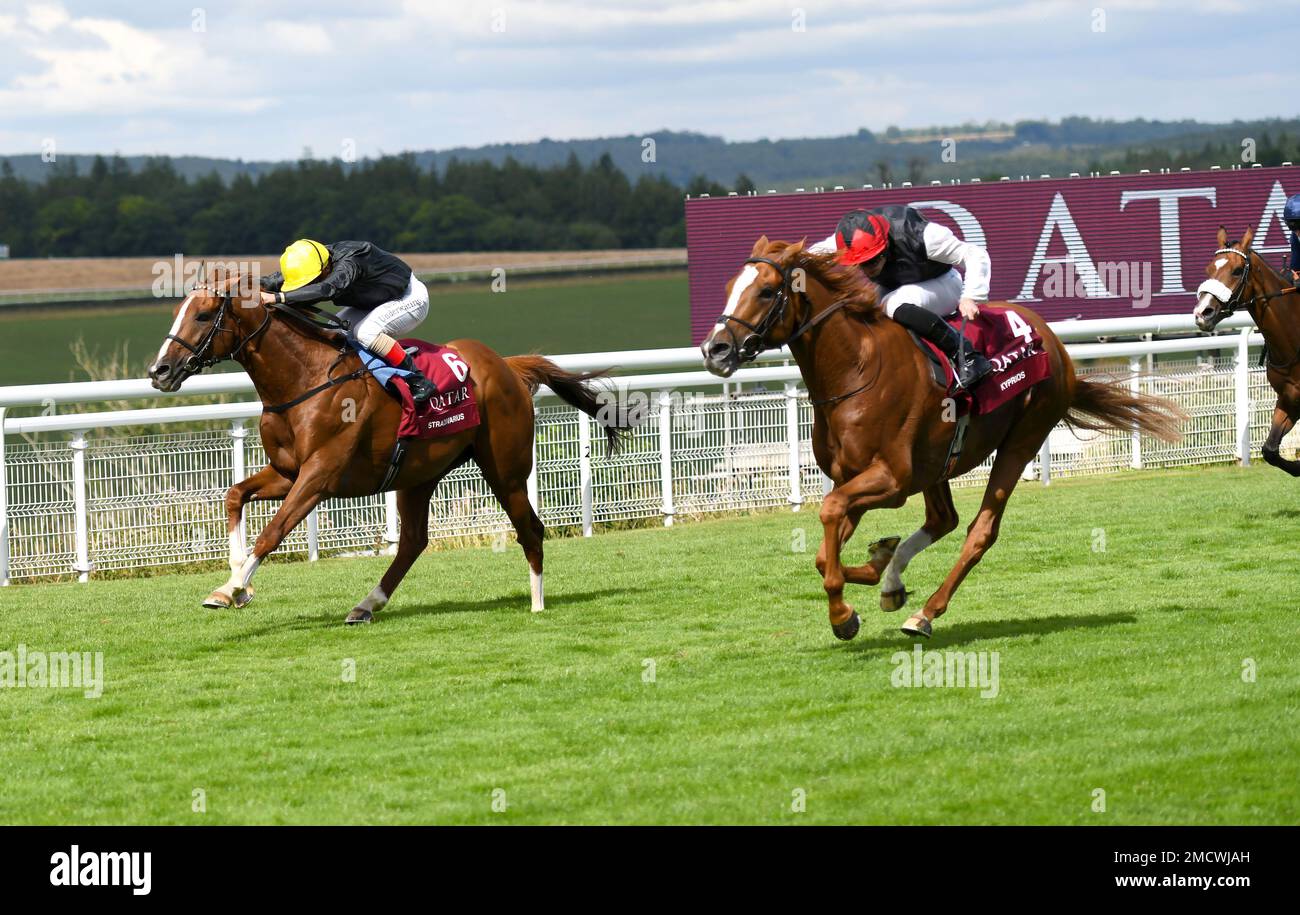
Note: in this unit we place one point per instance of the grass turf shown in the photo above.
(552, 316)
(1119, 669)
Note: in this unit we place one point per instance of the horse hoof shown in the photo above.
(848, 629)
(359, 615)
(918, 625)
(893, 600)
(885, 546)
(243, 598)
(217, 601)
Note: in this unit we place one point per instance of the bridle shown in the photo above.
(1233, 299)
(755, 342)
(201, 357)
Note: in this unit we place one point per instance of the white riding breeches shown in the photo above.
(939, 295)
(396, 318)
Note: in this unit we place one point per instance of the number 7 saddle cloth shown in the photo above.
(1011, 344)
(453, 409)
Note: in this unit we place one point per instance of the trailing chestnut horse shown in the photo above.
(1240, 278)
(880, 429)
(339, 439)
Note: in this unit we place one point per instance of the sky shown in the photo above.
(268, 79)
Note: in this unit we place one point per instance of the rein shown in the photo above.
(201, 357)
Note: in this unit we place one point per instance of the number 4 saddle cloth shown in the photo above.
(453, 409)
(1014, 348)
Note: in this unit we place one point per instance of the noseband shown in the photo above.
(755, 341)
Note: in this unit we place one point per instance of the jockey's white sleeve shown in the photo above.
(825, 246)
(943, 246)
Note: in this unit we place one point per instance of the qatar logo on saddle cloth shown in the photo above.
(453, 409)
(1014, 348)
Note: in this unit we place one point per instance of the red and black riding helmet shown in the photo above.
(860, 236)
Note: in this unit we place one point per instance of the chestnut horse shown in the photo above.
(1240, 278)
(329, 429)
(881, 427)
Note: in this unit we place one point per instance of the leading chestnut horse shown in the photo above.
(329, 429)
(1240, 278)
(881, 429)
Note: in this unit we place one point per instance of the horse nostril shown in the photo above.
(719, 350)
(161, 370)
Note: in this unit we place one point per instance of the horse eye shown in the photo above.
(1239, 271)
(203, 316)
(767, 292)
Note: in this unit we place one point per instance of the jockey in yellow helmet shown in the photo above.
(377, 294)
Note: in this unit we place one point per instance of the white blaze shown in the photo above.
(743, 282)
(176, 325)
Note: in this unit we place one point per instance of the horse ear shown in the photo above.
(1223, 237)
(1247, 238)
(792, 252)
(759, 247)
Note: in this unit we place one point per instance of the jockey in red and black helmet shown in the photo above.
(912, 261)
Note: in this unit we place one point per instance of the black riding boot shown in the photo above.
(971, 367)
(421, 388)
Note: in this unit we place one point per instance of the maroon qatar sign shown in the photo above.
(1070, 248)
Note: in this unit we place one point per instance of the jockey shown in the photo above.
(1291, 216)
(378, 294)
(911, 259)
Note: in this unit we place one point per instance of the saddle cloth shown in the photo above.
(1014, 348)
(453, 409)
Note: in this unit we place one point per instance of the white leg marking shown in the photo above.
(245, 574)
(374, 601)
(237, 553)
(892, 580)
(539, 598)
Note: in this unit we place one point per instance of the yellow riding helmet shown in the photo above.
(302, 262)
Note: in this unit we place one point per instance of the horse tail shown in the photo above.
(1108, 404)
(577, 390)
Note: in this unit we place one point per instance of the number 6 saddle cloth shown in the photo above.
(453, 409)
(1014, 348)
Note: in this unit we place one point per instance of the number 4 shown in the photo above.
(1019, 328)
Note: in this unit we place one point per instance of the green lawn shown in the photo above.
(551, 316)
(1119, 669)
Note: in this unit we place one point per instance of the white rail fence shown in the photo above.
(102, 503)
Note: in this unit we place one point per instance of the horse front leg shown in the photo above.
(876, 487)
(267, 483)
(304, 495)
(1284, 417)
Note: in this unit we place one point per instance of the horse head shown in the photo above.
(209, 325)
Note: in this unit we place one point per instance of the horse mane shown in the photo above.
(844, 283)
(225, 281)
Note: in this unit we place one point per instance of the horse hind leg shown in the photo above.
(980, 536)
(413, 537)
(940, 520)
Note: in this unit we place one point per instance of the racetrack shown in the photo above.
(1123, 610)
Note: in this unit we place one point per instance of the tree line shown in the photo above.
(112, 210)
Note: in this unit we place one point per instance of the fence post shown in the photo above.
(313, 535)
(792, 441)
(666, 455)
(81, 552)
(533, 496)
(584, 471)
(237, 471)
(1045, 461)
(4, 506)
(1135, 387)
(390, 522)
(1242, 396)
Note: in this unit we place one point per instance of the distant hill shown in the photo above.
(1025, 147)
